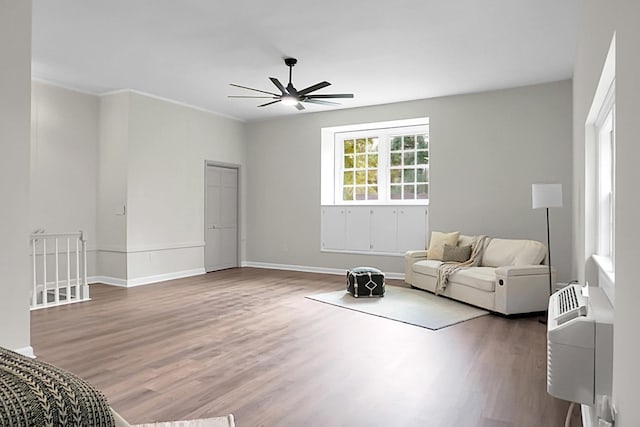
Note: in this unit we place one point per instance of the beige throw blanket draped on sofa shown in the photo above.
(446, 269)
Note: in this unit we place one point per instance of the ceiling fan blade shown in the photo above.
(332, 95)
(269, 103)
(313, 88)
(278, 85)
(299, 106)
(250, 88)
(321, 102)
(243, 96)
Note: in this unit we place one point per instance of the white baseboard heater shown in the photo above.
(579, 344)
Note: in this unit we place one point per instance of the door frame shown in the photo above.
(238, 168)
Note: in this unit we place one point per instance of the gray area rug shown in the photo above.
(407, 305)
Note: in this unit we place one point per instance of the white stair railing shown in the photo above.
(59, 269)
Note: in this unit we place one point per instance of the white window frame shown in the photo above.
(605, 182)
(384, 135)
(599, 239)
(605, 178)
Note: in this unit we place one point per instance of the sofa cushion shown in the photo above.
(483, 278)
(456, 253)
(501, 252)
(465, 240)
(428, 267)
(437, 242)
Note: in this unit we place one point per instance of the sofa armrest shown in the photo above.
(416, 254)
(410, 258)
(523, 270)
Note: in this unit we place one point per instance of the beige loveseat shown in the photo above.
(510, 277)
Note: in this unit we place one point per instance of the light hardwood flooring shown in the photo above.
(246, 341)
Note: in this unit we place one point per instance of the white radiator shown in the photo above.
(59, 263)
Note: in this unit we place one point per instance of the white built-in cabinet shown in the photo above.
(373, 229)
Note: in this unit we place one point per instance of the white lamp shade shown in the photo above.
(546, 195)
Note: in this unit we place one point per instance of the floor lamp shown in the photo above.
(547, 196)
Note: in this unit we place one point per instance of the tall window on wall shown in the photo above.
(605, 180)
(600, 183)
(382, 166)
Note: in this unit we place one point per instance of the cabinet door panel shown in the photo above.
(358, 228)
(412, 228)
(384, 228)
(333, 227)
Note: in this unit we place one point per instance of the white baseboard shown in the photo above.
(26, 351)
(395, 276)
(163, 277)
(107, 280)
(309, 269)
(147, 280)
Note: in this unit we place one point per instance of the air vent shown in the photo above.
(567, 300)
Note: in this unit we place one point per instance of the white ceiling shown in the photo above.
(382, 51)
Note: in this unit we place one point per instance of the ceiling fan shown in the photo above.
(290, 95)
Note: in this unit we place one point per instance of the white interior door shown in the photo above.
(221, 218)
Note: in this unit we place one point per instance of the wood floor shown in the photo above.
(246, 341)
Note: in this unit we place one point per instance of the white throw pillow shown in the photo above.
(437, 242)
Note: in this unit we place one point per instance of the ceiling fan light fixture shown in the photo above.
(289, 95)
(289, 100)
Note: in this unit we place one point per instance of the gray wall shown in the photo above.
(486, 151)
(167, 149)
(64, 145)
(96, 158)
(112, 186)
(15, 101)
(598, 23)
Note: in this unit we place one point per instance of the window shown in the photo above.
(605, 179)
(409, 167)
(360, 169)
(382, 166)
(364, 167)
(600, 183)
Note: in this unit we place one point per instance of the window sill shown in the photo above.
(606, 266)
(373, 203)
(606, 276)
(362, 252)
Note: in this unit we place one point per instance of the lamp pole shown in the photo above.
(549, 252)
(547, 196)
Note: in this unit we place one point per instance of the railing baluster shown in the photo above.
(34, 260)
(45, 299)
(68, 272)
(77, 269)
(85, 285)
(56, 298)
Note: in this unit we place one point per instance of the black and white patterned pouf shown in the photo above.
(365, 282)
